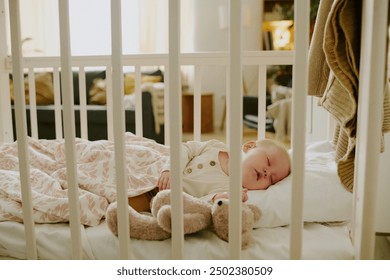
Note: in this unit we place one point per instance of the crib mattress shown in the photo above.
(53, 242)
(327, 210)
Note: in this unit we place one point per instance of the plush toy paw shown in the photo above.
(142, 226)
(220, 213)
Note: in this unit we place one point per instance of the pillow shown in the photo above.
(90, 76)
(97, 92)
(325, 198)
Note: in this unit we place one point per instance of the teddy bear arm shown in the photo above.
(193, 222)
(256, 212)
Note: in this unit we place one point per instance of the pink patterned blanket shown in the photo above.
(96, 177)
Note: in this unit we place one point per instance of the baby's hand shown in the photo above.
(164, 181)
(244, 195)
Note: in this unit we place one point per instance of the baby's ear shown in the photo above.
(248, 145)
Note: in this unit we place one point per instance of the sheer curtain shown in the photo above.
(153, 26)
(90, 27)
(144, 26)
(39, 27)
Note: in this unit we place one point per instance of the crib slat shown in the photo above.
(197, 103)
(119, 128)
(138, 103)
(227, 112)
(300, 88)
(57, 103)
(6, 133)
(21, 130)
(69, 129)
(235, 130)
(83, 104)
(33, 103)
(370, 105)
(262, 88)
(175, 132)
(167, 107)
(109, 92)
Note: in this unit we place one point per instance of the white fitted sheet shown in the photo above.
(53, 242)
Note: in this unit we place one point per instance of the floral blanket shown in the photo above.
(95, 172)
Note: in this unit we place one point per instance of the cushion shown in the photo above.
(90, 76)
(129, 81)
(44, 93)
(325, 198)
(97, 91)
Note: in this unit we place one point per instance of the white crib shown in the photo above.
(298, 239)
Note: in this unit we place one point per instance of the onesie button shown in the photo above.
(200, 166)
(189, 170)
(212, 163)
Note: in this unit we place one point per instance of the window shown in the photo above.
(144, 26)
(90, 27)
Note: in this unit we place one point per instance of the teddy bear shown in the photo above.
(198, 215)
(157, 224)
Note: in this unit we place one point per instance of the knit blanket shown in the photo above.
(95, 171)
(334, 76)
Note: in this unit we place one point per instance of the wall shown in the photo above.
(211, 34)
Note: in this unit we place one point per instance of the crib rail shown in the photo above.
(233, 61)
(199, 61)
(152, 59)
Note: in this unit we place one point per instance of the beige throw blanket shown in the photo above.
(334, 76)
(96, 177)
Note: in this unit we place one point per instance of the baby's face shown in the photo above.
(263, 167)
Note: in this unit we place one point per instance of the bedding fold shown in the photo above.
(96, 177)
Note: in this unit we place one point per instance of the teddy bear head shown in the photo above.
(220, 216)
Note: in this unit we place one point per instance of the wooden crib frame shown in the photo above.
(374, 24)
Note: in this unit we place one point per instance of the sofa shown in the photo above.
(96, 113)
(250, 113)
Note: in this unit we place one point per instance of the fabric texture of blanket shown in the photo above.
(334, 76)
(96, 177)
